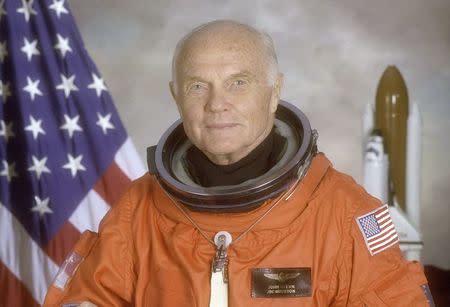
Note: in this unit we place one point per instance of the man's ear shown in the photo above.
(173, 90)
(276, 92)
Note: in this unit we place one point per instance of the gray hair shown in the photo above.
(265, 39)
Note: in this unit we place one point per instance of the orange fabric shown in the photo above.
(148, 254)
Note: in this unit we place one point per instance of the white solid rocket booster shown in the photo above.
(413, 163)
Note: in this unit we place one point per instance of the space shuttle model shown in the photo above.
(392, 157)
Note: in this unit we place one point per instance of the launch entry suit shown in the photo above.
(310, 250)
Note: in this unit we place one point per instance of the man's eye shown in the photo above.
(196, 88)
(238, 84)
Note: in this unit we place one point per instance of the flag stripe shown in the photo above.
(128, 160)
(385, 224)
(62, 243)
(385, 210)
(381, 220)
(386, 246)
(112, 184)
(88, 214)
(16, 246)
(372, 242)
(386, 241)
(18, 295)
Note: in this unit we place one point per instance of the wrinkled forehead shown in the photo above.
(226, 48)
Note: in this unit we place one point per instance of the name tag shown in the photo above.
(281, 282)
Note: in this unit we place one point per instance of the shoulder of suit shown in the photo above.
(345, 195)
(137, 194)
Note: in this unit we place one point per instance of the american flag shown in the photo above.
(64, 154)
(378, 230)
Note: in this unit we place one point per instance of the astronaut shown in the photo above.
(239, 208)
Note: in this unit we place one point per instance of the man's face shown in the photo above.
(225, 98)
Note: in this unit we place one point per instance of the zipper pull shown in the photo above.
(219, 271)
(220, 262)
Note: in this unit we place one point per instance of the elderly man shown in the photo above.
(238, 208)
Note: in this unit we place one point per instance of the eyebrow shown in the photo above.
(194, 78)
(241, 74)
(245, 73)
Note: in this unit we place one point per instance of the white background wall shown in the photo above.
(332, 54)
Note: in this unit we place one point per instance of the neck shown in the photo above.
(231, 158)
(206, 173)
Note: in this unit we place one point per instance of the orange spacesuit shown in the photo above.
(310, 250)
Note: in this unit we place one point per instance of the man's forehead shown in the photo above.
(222, 72)
(226, 55)
(222, 38)
(213, 47)
(225, 64)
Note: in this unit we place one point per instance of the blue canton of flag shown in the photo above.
(59, 134)
(378, 230)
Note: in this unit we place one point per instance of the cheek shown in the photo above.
(191, 113)
(258, 116)
(192, 125)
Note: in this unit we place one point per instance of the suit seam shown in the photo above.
(129, 242)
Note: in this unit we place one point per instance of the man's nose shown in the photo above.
(217, 101)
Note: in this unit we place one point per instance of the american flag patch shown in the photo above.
(378, 229)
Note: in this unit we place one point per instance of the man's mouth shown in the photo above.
(221, 125)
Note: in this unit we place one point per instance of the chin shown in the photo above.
(222, 149)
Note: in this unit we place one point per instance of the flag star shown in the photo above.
(71, 125)
(58, 7)
(3, 50)
(5, 91)
(63, 45)
(74, 164)
(27, 9)
(8, 170)
(6, 130)
(67, 85)
(98, 84)
(2, 10)
(41, 206)
(30, 49)
(39, 166)
(35, 127)
(104, 122)
(32, 88)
